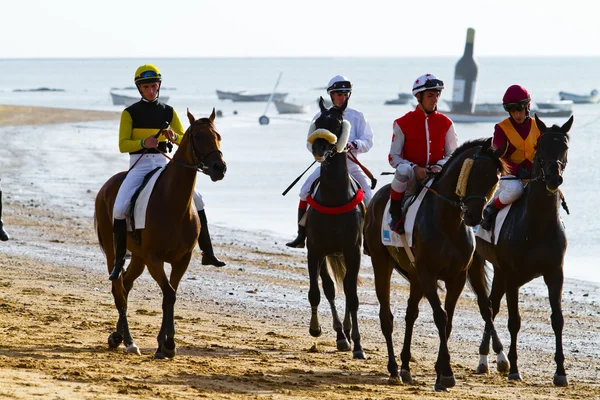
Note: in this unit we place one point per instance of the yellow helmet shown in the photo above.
(147, 73)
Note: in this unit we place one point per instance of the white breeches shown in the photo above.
(134, 179)
(405, 179)
(509, 190)
(353, 169)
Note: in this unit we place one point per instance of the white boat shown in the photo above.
(494, 112)
(290, 108)
(244, 96)
(403, 98)
(119, 99)
(593, 97)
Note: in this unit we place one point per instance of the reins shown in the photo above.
(354, 159)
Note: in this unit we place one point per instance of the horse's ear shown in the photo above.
(486, 145)
(190, 116)
(212, 115)
(499, 153)
(322, 104)
(541, 126)
(567, 126)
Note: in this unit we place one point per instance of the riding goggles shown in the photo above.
(515, 106)
(431, 84)
(341, 86)
(148, 74)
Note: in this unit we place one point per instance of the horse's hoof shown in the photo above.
(503, 367)
(406, 376)
(133, 349)
(482, 369)
(359, 355)
(114, 340)
(561, 380)
(440, 388)
(315, 332)
(447, 381)
(343, 345)
(168, 353)
(515, 376)
(159, 356)
(395, 380)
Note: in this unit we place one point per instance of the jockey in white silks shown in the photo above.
(360, 140)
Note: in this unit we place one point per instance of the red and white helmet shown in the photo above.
(427, 82)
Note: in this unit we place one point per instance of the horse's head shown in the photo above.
(201, 147)
(551, 154)
(328, 134)
(480, 168)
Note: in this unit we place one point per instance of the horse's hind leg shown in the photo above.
(514, 325)
(555, 285)
(329, 290)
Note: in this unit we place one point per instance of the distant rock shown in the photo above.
(42, 89)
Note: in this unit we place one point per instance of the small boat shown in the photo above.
(290, 108)
(126, 100)
(244, 96)
(403, 98)
(494, 112)
(132, 100)
(593, 97)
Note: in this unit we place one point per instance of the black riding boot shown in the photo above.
(397, 222)
(120, 243)
(489, 216)
(208, 256)
(3, 235)
(298, 243)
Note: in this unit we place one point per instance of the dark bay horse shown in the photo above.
(171, 231)
(532, 243)
(334, 228)
(443, 247)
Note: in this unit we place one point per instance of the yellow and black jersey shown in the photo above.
(144, 119)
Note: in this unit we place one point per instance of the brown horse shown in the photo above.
(532, 243)
(171, 231)
(443, 247)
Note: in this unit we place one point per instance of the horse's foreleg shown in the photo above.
(496, 294)
(135, 269)
(314, 295)
(445, 376)
(329, 290)
(514, 325)
(166, 349)
(352, 260)
(555, 285)
(412, 313)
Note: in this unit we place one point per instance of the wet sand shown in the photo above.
(242, 330)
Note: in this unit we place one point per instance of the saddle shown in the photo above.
(131, 211)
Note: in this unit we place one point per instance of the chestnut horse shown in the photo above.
(334, 228)
(443, 247)
(532, 243)
(171, 231)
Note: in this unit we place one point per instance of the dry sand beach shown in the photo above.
(242, 330)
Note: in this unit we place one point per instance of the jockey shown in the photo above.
(521, 133)
(360, 140)
(3, 235)
(422, 141)
(139, 123)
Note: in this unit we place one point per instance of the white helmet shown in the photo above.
(427, 82)
(339, 83)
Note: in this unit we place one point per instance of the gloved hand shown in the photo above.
(351, 146)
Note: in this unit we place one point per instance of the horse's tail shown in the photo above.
(336, 266)
(479, 277)
(98, 232)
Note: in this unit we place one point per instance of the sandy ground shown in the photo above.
(242, 330)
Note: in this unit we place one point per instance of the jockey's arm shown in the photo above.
(177, 128)
(363, 134)
(450, 144)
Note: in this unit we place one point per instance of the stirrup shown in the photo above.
(397, 225)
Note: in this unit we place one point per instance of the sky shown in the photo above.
(299, 28)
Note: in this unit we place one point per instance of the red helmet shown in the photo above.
(516, 94)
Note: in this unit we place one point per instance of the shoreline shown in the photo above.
(242, 330)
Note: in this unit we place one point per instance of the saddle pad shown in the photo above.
(391, 238)
(141, 205)
(487, 235)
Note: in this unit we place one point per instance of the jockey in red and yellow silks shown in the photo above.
(422, 141)
(522, 134)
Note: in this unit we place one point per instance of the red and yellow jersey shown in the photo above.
(522, 141)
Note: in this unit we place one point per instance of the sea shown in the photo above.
(263, 160)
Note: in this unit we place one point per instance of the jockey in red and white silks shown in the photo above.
(360, 140)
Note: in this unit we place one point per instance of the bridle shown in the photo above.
(560, 165)
(198, 162)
